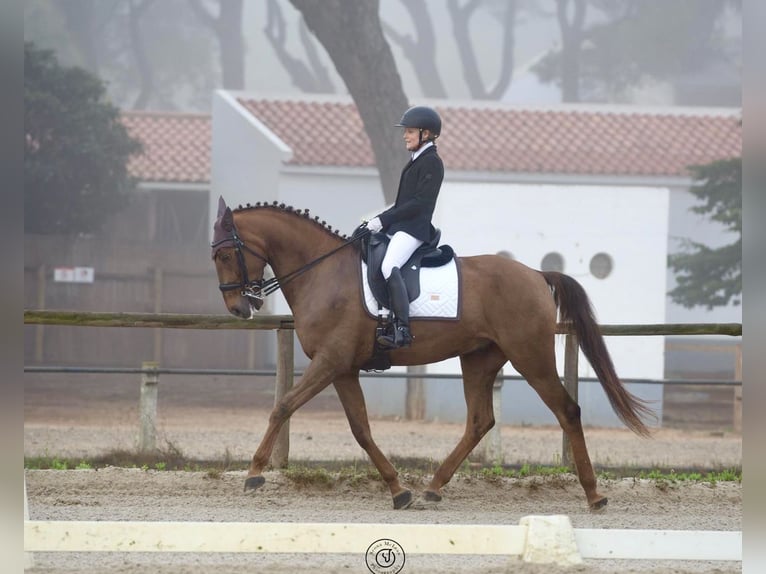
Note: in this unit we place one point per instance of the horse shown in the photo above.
(508, 313)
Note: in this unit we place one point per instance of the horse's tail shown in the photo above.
(575, 307)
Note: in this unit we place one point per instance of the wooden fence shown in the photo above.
(284, 325)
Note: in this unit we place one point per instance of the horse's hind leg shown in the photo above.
(480, 369)
(567, 412)
(351, 397)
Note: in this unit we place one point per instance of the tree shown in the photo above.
(571, 26)
(151, 55)
(227, 28)
(461, 15)
(353, 37)
(706, 276)
(76, 149)
(629, 42)
(420, 49)
(310, 76)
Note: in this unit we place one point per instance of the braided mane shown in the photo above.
(304, 213)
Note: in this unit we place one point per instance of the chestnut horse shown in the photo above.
(508, 313)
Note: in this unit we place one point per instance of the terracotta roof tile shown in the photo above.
(176, 146)
(559, 141)
(495, 139)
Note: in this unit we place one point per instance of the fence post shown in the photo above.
(285, 352)
(738, 389)
(571, 382)
(159, 280)
(492, 441)
(150, 379)
(42, 277)
(415, 399)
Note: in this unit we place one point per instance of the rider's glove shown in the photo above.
(374, 225)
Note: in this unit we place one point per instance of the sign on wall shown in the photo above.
(73, 274)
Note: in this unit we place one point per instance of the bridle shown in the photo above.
(250, 289)
(259, 288)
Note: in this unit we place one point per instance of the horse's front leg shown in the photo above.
(351, 397)
(317, 376)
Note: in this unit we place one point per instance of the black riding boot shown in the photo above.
(400, 306)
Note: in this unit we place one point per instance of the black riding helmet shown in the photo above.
(422, 117)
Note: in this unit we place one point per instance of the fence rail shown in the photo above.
(156, 320)
(285, 372)
(266, 322)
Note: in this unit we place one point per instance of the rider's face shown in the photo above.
(410, 136)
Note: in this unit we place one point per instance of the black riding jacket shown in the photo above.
(419, 187)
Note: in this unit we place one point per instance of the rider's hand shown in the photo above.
(360, 231)
(374, 225)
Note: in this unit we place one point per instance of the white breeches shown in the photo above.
(401, 247)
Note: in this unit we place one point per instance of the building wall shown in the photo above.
(341, 200)
(529, 221)
(245, 159)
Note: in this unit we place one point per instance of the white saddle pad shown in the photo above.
(438, 293)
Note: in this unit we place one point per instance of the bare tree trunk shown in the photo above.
(420, 51)
(228, 29)
(461, 16)
(352, 35)
(571, 42)
(232, 44)
(311, 78)
(146, 77)
(80, 20)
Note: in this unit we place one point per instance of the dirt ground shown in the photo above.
(225, 417)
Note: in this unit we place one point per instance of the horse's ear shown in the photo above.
(227, 220)
(221, 206)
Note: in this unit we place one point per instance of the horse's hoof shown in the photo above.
(432, 496)
(599, 504)
(403, 500)
(425, 503)
(254, 483)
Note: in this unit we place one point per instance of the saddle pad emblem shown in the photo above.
(439, 293)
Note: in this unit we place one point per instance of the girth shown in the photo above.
(429, 254)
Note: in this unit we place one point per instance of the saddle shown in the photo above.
(429, 254)
(373, 247)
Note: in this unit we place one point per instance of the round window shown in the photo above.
(601, 265)
(552, 262)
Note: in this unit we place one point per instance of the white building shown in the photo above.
(601, 192)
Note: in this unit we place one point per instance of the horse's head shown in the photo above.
(239, 267)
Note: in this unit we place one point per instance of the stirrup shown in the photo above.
(401, 337)
(387, 342)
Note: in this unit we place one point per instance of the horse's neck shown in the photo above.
(296, 248)
(293, 243)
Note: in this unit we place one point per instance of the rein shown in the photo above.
(258, 288)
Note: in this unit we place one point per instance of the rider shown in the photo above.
(408, 222)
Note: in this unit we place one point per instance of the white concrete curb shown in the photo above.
(550, 540)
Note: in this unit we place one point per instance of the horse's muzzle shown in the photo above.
(245, 307)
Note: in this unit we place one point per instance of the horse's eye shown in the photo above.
(224, 257)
